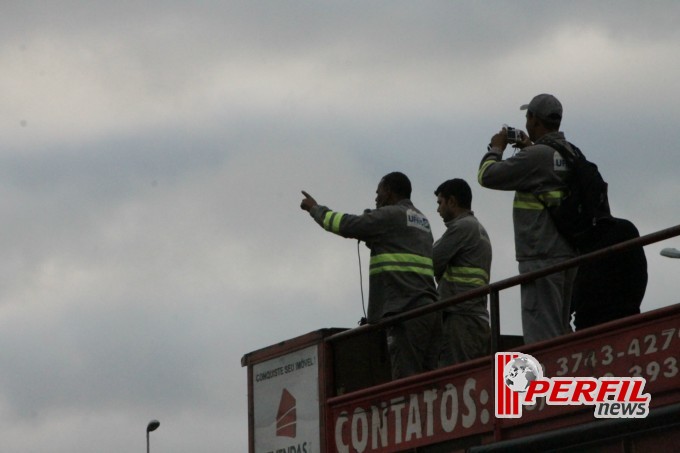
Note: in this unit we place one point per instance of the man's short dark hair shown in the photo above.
(456, 188)
(398, 183)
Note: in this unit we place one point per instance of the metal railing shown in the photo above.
(493, 289)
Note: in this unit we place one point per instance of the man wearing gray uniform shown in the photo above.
(401, 274)
(537, 173)
(462, 261)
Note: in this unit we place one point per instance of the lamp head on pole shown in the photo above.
(153, 424)
(670, 253)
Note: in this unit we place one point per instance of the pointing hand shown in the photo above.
(308, 202)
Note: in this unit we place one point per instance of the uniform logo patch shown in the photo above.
(559, 162)
(417, 220)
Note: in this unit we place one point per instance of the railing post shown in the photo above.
(494, 306)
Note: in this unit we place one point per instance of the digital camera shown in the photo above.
(513, 135)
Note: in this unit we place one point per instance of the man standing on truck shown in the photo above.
(536, 170)
(462, 261)
(401, 274)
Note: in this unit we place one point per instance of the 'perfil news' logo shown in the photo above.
(520, 380)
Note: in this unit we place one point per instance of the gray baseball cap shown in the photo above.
(544, 106)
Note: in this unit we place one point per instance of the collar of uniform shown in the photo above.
(404, 202)
(557, 135)
(462, 216)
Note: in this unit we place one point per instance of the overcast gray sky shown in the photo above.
(152, 156)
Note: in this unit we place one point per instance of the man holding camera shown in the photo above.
(401, 274)
(537, 174)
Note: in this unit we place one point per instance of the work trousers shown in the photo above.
(414, 345)
(466, 337)
(546, 301)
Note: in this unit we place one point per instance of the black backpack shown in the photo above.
(586, 204)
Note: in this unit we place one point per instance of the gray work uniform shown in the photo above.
(462, 261)
(400, 278)
(533, 172)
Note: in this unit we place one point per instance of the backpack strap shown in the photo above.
(567, 154)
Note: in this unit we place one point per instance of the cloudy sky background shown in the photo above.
(152, 156)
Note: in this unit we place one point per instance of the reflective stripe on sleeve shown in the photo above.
(331, 221)
(483, 168)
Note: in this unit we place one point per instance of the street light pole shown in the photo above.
(153, 424)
